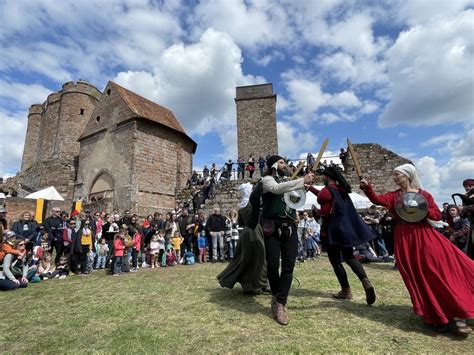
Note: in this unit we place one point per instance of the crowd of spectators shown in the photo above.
(81, 243)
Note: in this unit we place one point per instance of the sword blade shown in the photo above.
(354, 158)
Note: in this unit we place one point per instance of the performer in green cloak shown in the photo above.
(249, 266)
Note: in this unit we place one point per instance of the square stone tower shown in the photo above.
(256, 121)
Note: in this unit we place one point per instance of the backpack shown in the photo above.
(189, 258)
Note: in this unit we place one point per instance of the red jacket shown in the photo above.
(137, 239)
(119, 246)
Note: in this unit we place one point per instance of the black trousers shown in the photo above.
(59, 246)
(283, 242)
(335, 253)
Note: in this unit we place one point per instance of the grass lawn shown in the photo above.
(183, 309)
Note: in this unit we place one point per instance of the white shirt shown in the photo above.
(245, 190)
(270, 185)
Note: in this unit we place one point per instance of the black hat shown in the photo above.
(272, 160)
(468, 182)
(336, 175)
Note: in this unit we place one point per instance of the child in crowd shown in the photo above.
(45, 267)
(176, 241)
(119, 246)
(90, 261)
(63, 267)
(45, 244)
(202, 244)
(161, 242)
(102, 252)
(136, 241)
(170, 256)
(154, 251)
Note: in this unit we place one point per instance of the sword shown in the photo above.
(320, 154)
(354, 158)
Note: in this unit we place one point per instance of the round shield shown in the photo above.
(411, 207)
(295, 199)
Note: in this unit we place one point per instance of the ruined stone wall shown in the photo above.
(32, 136)
(377, 164)
(256, 121)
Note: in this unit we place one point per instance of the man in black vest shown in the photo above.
(279, 228)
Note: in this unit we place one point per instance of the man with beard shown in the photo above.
(279, 228)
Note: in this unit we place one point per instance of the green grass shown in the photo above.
(183, 309)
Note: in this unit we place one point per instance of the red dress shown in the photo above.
(438, 276)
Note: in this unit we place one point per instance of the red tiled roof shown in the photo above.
(148, 109)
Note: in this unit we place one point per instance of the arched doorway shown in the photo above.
(103, 187)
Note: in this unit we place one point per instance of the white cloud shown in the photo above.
(416, 12)
(12, 140)
(440, 139)
(251, 24)
(292, 141)
(430, 68)
(197, 82)
(22, 94)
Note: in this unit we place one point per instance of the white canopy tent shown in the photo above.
(50, 193)
(359, 201)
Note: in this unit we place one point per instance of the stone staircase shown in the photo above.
(225, 196)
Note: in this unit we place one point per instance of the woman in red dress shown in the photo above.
(438, 276)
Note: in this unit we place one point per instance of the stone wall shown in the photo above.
(159, 155)
(16, 206)
(377, 164)
(108, 152)
(256, 120)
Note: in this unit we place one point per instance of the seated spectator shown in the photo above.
(15, 268)
(365, 253)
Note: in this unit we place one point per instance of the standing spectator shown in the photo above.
(261, 164)
(234, 233)
(213, 171)
(444, 212)
(186, 228)
(251, 166)
(343, 156)
(216, 226)
(205, 172)
(119, 246)
(54, 225)
(240, 168)
(310, 160)
(25, 228)
(228, 168)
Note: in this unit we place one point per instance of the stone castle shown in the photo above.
(115, 150)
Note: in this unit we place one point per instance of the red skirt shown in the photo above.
(438, 276)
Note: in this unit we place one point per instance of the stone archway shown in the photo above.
(103, 187)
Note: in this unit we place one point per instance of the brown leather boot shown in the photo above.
(280, 314)
(274, 301)
(369, 291)
(344, 294)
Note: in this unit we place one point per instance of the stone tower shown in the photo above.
(256, 120)
(32, 136)
(55, 126)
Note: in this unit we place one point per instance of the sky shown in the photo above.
(396, 73)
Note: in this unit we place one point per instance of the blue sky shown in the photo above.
(397, 73)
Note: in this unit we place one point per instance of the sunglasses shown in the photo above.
(21, 245)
